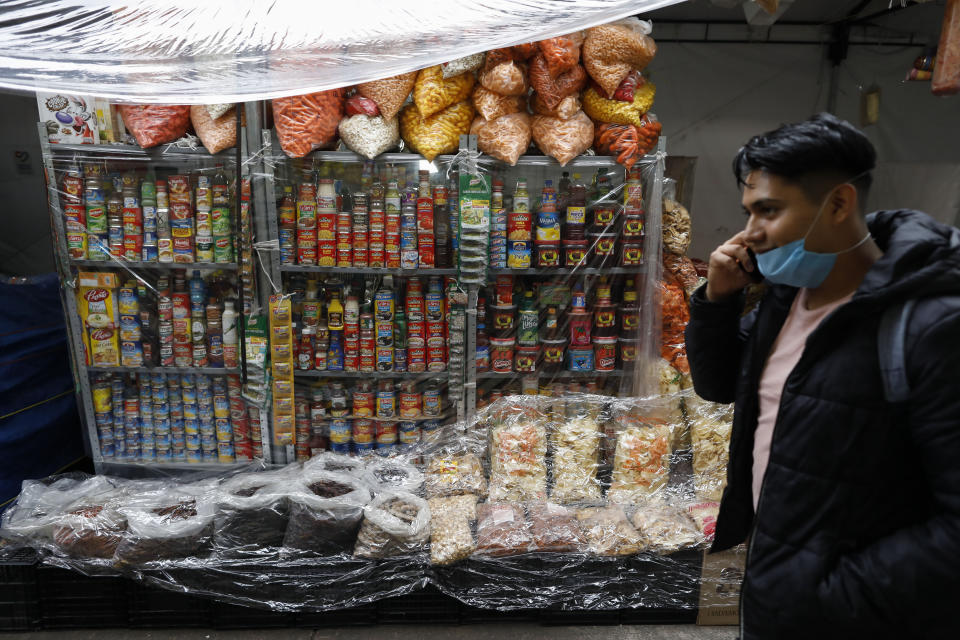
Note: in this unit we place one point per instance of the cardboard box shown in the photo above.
(70, 119)
(720, 587)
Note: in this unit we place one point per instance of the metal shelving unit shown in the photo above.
(154, 266)
(351, 375)
(296, 268)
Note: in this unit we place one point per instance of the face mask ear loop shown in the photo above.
(824, 204)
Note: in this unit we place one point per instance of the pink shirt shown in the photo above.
(783, 357)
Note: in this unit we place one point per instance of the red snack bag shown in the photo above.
(554, 89)
(308, 122)
(561, 54)
(360, 106)
(624, 92)
(153, 124)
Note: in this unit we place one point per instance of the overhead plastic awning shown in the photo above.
(195, 51)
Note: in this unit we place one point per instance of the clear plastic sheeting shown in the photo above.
(598, 550)
(175, 52)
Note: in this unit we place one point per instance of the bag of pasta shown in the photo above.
(518, 468)
(432, 93)
(641, 466)
(507, 79)
(608, 531)
(153, 124)
(326, 509)
(611, 51)
(308, 122)
(437, 134)
(564, 140)
(505, 138)
(491, 105)
(576, 448)
(395, 523)
(216, 134)
(389, 93)
(451, 537)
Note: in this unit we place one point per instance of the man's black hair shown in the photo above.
(815, 154)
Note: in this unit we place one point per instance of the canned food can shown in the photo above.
(409, 433)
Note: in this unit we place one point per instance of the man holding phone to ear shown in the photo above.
(850, 502)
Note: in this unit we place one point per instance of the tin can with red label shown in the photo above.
(436, 358)
(377, 257)
(436, 334)
(525, 359)
(363, 434)
(416, 359)
(417, 334)
(548, 255)
(501, 355)
(326, 226)
(368, 360)
(426, 250)
(327, 253)
(344, 253)
(604, 354)
(364, 403)
(632, 226)
(575, 253)
(307, 255)
(72, 189)
(631, 255)
(409, 401)
(520, 226)
(628, 351)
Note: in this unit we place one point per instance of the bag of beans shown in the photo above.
(325, 511)
(153, 124)
(389, 93)
(92, 527)
(218, 133)
(41, 505)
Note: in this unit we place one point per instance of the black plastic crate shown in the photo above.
(550, 617)
(231, 616)
(155, 608)
(477, 615)
(427, 606)
(71, 600)
(19, 609)
(658, 616)
(365, 615)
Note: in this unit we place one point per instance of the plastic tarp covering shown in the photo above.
(39, 425)
(177, 52)
(583, 502)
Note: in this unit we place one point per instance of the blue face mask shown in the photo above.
(794, 266)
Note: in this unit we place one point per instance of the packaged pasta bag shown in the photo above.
(553, 89)
(437, 134)
(455, 473)
(153, 124)
(575, 444)
(710, 427)
(252, 512)
(554, 528)
(507, 79)
(168, 522)
(326, 509)
(389, 93)
(491, 105)
(608, 531)
(666, 529)
(451, 534)
(565, 109)
(641, 465)
(506, 138)
(518, 468)
(611, 51)
(564, 140)
(308, 122)
(218, 133)
(395, 523)
(432, 93)
(502, 530)
(615, 111)
(561, 53)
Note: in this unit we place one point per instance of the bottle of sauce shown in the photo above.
(441, 228)
(305, 353)
(604, 312)
(629, 312)
(214, 334)
(483, 348)
(335, 312)
(230, 338)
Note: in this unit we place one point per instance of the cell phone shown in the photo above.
(754, 275)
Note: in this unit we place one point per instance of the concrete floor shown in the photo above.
(409, 632)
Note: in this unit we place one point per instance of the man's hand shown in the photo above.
(725, 276)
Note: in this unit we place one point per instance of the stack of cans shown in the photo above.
(103, 416)
(162, 431)
(221, 420)
(148, 441)
(242, 446)
(205, 418)
(178, 439)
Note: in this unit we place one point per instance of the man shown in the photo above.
(851, 504)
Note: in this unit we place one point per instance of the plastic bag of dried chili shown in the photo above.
(627, 142)
(153, 124)
(308, 122)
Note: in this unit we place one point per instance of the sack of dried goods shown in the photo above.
(325, 511)
(566, 109)
(218, 133)
(502, 529)
(437, 134)
(505, 138)
(620, 111)
(451, 538)
(252, 512)
(576, 448)
(555, 528)
(450, 474)
(395, 523)
(564, 140)
(553, 89)
(462, 65)
(491, 105)
(608, 531)
(432, 93)
(507, 79)
(611, 51)
(153, 124)
(389, 93)
(369, 136)
(626, 142)
(168, 522)
(641, 465)
(518, 467)
(308, 122)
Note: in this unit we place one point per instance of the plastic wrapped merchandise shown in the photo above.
(92, 527)
(552, 89)
(395, 523)
(369, 136)
(308, 122)
(506, 78)
(555, 528)
(564, 140)
(561, 53)
(626, 142)
(710, 428)
(576, 448)
(666, 529)
(502, 530)
(683, 271)
(704, 515)
(153, 124)
(217, 110)
(337, 463)
(455, 474)
(676, 228)
(218, 133)
(611, 51)
(389, 93)
(491, 105)
(326, 509)
(566, 109)
(252, 512)
(608, 531)
(168, 522)
(432, 93)
(506, 138)
(518, 468)
(615, 111)
(675, 313)
(641, 466)
(437, 134)
(393, 475)
(451, 537)
(465, 64)
(41, 504)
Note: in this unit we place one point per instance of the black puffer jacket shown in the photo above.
(858, 527)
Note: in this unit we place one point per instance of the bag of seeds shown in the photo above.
(395, 523)
(167, 522)
(252, 512)
(325, 511)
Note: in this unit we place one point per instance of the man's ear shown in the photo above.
(843, 203)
